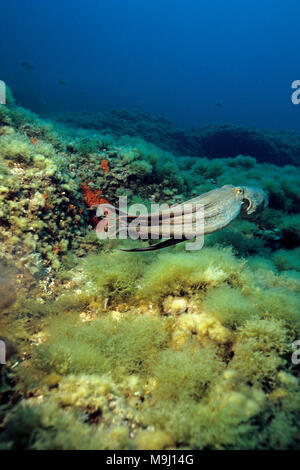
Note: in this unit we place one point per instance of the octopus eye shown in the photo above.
(239, 191)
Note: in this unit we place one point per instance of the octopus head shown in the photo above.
(254, 199)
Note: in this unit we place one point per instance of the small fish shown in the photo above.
(61, 82)
(27, 65)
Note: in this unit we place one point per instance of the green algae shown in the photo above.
(224, 363)
(106, 345)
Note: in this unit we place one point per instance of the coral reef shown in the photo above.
(168, 350)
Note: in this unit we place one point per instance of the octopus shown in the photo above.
(214, 210)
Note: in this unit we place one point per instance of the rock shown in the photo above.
(175, 305)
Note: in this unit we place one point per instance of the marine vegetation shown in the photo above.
(173, 349)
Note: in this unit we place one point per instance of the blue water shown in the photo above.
(193, 61)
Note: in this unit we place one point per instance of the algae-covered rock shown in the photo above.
(7, 293)
(153, 440)
(175, 305)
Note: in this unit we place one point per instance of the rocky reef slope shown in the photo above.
(114, 350)
(212, 141)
